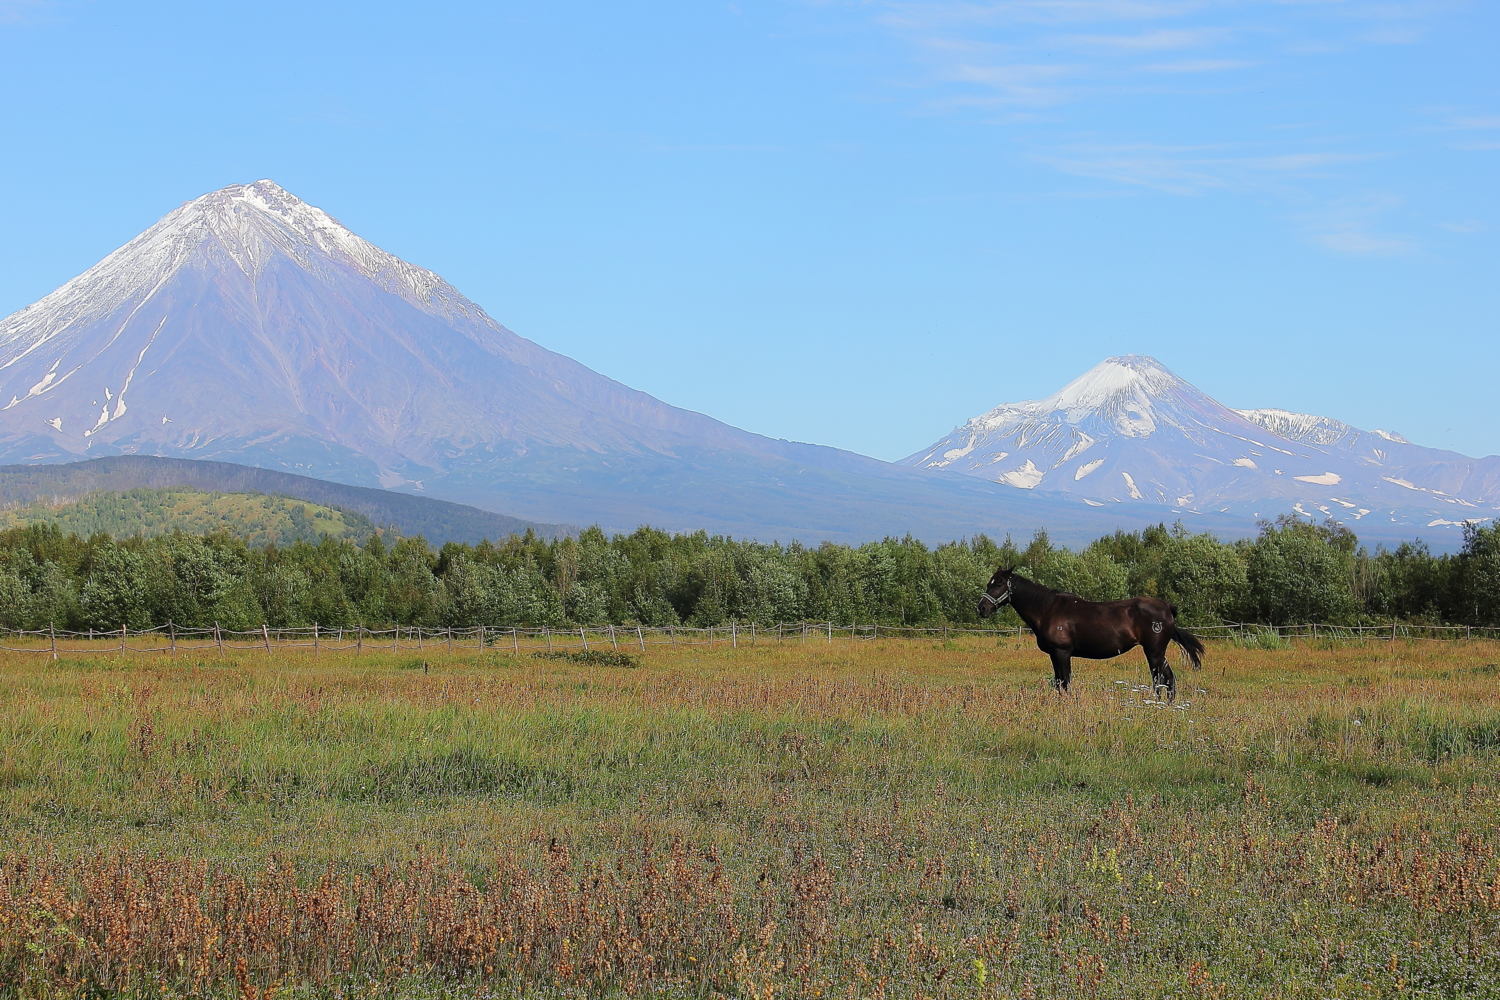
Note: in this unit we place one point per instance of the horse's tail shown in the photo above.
(1191, 644)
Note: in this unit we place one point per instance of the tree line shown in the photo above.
(1294, 571)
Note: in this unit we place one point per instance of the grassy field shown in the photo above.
(870, 819)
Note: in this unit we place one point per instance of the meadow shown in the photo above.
(889, 818)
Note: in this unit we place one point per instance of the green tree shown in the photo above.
(117, 590)
(1301, 572)
(1476, 585)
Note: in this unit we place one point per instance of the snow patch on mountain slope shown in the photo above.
(1301, 427)
(1026, 477)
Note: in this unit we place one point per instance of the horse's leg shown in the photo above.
(1161, 672)
(1062, 670)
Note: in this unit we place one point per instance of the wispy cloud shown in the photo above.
(1018, 83)
(1469, 125)
(1198, 66)
(1192, 170)
(15, 11)
(1151, 41)
(986, 42)
(1349, 227)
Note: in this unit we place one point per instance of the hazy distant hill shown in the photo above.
(436, 520)
(256, 518)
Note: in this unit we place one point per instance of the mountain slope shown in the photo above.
(437, 520)
(256, 518)
(1129, 432)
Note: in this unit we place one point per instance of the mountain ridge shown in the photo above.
(1129, 431)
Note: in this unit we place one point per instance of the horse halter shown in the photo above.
(997, 602)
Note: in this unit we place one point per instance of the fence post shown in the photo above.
(752, 633)
(219, 640)
(359, 641)
(450, 640)
(52, 631)
(612, 641)
(265, 633)
(546, 631)
(419, 638)
(710, 637)
(122, 640)
(672, 628)
(734, 636)
(515, 641)
(172, 634)
(830, 633)
(397, 633)
(640, 637)
(316, 648)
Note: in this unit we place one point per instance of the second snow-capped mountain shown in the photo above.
(1129, 431)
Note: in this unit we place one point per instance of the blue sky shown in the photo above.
(850, 223)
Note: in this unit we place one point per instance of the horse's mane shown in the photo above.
(1029, 588)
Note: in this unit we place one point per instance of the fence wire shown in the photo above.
(174, 640)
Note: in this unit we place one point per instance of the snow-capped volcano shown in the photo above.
(247, 322)
(1129, 431)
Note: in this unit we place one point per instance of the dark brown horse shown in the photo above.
(1067, 626)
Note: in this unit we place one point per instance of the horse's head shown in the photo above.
(997, 593)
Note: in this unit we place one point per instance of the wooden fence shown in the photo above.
(174, 640)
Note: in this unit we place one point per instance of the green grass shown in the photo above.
(890, 818)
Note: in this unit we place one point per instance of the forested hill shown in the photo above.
(254, 518)
(1294, 572)
(436, 520)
